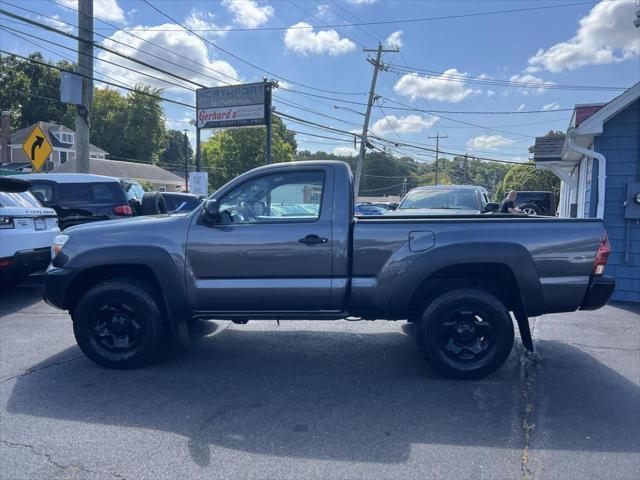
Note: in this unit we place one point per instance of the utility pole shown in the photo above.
(85, 68)
(404, 187)
(186, 161)
(438, 137)
(377, 65)
(5, 137)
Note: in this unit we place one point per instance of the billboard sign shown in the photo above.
(233, 106)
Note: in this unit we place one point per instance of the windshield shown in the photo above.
(23, 200)
(440, 199)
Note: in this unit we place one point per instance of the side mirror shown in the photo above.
(393, 206)
(491, 207)
(212, 210)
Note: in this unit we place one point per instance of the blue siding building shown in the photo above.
(603, 135)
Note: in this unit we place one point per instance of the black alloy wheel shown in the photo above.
(465, 333)
(118, 323)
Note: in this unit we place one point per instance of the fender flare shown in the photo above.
(167, 270)
(417, 267)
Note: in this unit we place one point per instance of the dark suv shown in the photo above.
(536, 203)
(80, 198)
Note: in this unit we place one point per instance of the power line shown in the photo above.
(21, 35)
(384, 22)
(97, 45)
(240, 59)
(124, 87)
(496, 82)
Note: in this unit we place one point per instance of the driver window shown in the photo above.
(287, 197)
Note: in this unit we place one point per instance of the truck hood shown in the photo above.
(434, 211)
(130, 224)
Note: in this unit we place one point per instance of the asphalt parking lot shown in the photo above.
(318, 400)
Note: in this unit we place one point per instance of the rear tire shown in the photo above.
(530, 209)
(153, 204)
(465, 333)
(118, 323)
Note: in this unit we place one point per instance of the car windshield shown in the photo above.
(22, 200)
(181, 203)
(440, 199)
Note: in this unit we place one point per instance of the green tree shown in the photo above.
(131, 126)
(145, 131)
(527, 177)
(231, 152)
(31, 92)
(173, 155)
(109, 116)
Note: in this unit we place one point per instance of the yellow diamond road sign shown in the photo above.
(37, 148)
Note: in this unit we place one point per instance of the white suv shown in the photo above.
(27, 230)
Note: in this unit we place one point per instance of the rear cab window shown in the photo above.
(80, 193)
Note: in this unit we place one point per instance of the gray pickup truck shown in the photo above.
(281, 242)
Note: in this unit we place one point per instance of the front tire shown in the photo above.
(466, 333)
(118, 323)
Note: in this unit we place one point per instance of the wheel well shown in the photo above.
(496, 278)
(92, 276)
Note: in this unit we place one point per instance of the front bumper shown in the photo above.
(25, 262)
(56, 285)
(598, 293)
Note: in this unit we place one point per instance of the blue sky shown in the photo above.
(589, 44)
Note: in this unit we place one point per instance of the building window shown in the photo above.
(93, 155)
(66, 137)
(63, 157)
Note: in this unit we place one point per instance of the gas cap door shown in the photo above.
(421, 240)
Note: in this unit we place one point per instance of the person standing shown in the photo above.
(507, 205)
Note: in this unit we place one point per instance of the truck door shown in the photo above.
(271, 250)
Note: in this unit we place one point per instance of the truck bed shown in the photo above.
(550, 258)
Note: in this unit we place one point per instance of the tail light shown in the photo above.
(124, 210)
(6, 262)
(604, 249)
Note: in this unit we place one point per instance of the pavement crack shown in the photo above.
(605, 347)
(528, 372)
(49, 459)
(44, 367)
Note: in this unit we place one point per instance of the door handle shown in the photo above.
(313, 240)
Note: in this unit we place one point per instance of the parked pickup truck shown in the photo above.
(132, 283)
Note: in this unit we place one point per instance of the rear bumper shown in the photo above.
(25, 262)
(598, 293)
(56, 285)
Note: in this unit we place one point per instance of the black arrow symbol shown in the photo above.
(37, 143)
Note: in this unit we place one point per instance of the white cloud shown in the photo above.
(323, 11)
(551, 106)
(200, 20)
(448, 87)
(189, 51)
(55, 22)
(247, 12)
(394, 40)
(488, 142)
(362, 2)
(532, 80)
(104, 9)
(490, 93)
(520, 108)
(605, 35)
(345, 151)
(409, 124)
(305, 41)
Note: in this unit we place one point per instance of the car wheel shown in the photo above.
(530, 209)
(465, 333)
(118, 323)
(153, 203)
